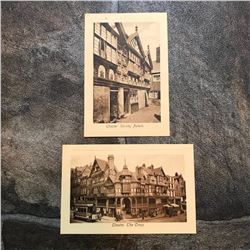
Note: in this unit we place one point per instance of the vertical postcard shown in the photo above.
(126, 75)
(128, 189)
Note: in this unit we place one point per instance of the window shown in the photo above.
(114, 58)
(111, 74)
(97, 28)
(109, 51)
(96, 46)
(101, 71)
(103, 51)
(102, 45)
(103, 32)
(114, 41)
(109, 37)
(156, 78)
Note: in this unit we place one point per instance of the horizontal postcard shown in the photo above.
(126, 75)
(128, 189)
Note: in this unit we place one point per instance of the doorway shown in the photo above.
(126, 101)
(113, 104)
(127, 206)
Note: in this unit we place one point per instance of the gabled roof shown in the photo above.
(138, 40)
(121, 30)
(149, 171)
(125, 171)
(134, 178)
(154, 171)
(87, 170)
(127, 39)
(101, 163)
(83, 171)
(132, 36)
(158, 171)
(110, 178)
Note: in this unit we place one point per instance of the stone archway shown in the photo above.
(126, 206)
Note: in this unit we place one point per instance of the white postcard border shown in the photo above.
(92, 129)
(188, 227)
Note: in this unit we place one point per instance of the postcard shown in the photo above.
(126, 75)
(128, 189)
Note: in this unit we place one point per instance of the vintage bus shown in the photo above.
(87, 212)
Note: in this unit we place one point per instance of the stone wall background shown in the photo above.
(42, 108)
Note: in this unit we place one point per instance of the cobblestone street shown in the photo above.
(144, 115)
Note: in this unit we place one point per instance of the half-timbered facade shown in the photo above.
(121, 72)
(146, 190)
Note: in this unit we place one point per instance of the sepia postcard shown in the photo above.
(126, 75)
(128, 189)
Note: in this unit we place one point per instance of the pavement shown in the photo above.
(144, 115)
(160, 218)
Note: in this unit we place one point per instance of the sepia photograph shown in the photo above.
(126, 72)
(124, 84)
(126, 185)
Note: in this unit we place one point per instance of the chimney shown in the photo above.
(111, 161)
(158, 54)
(151, 166)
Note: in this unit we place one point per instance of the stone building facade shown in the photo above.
(146, 190)
(155, 86)
(121, 72)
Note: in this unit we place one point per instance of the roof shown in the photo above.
(125, 171)
(83, 171)
(149, 170)
(158, 171)
(155, 86)
(87, 170)
(112, 178)
(128, 38)
(101, 163)
(80, 169)
(132, 36)
(122, 173)
(156, 67)
(134, 179)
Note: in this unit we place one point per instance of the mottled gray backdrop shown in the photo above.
(42, 108)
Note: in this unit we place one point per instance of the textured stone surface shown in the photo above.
(42, 99)
(42, 106)
(232, 234)
(209, 49)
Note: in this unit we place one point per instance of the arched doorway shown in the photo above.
(126, 204)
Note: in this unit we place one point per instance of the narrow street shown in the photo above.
(144, 115)
(160, 218)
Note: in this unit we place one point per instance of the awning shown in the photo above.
(174, 205)
(167, 205)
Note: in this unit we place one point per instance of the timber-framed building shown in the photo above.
(121, 72)
(125, 192)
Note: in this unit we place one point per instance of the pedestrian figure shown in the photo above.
(142, 216)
